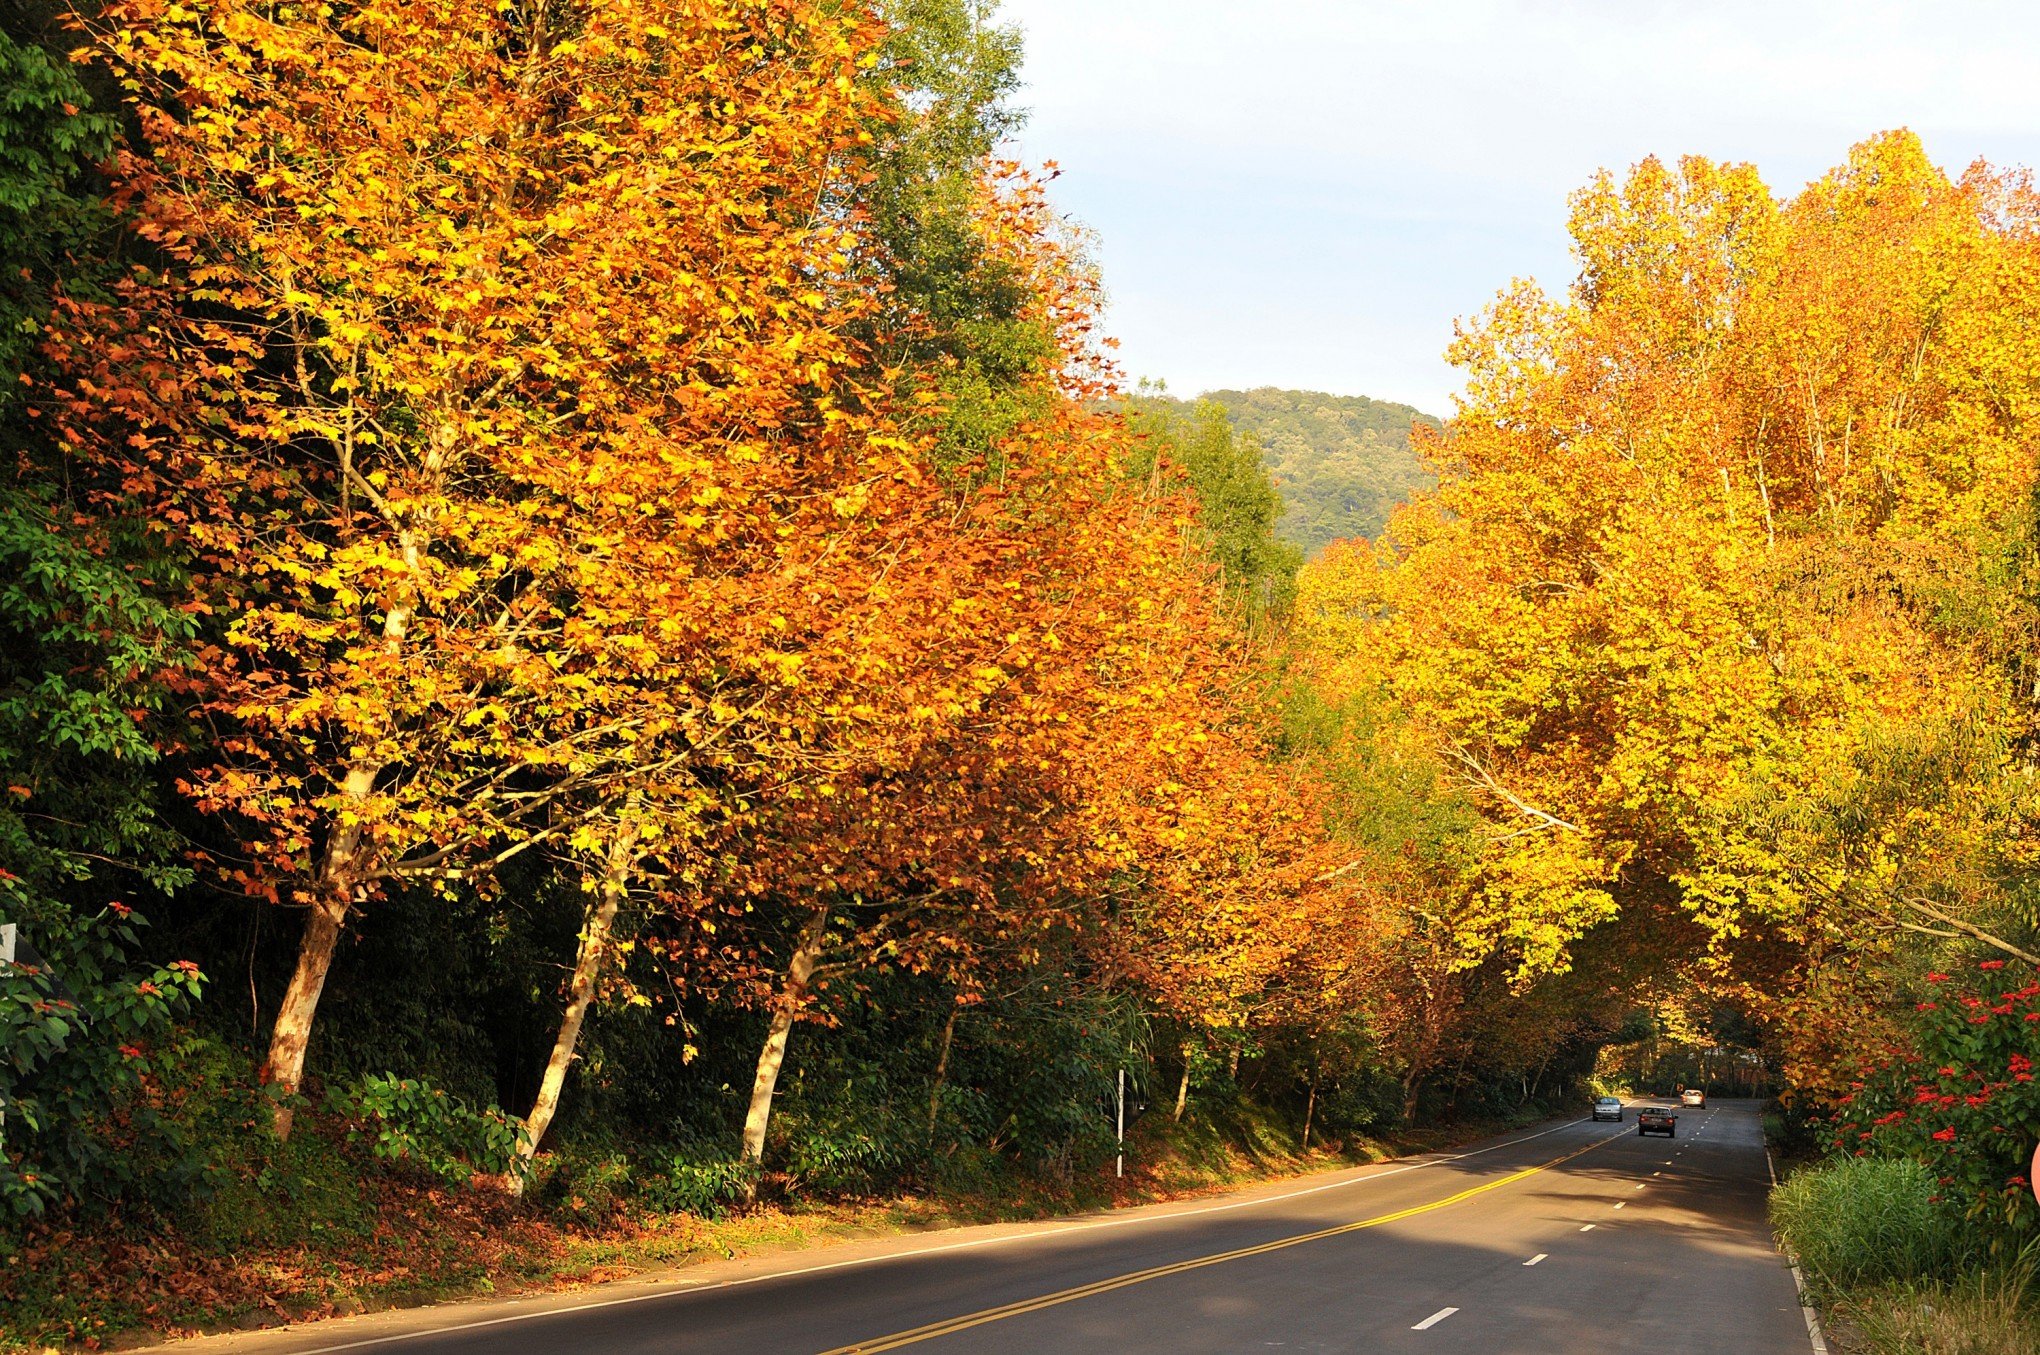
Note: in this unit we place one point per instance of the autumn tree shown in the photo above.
(1712, 532)
(517, 353)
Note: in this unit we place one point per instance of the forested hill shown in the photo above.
(1341, 462)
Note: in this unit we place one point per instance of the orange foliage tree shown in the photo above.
(521, 408)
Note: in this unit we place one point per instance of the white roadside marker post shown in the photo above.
(1119, 1130)
(6, 962)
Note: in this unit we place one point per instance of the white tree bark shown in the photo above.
(598, 929)
(800, 968)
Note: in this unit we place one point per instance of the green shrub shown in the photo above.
(1867, 1220)
(705, 1188)
(586, 1182)
(841, 1159)
(413, 1121)
(82, 1038)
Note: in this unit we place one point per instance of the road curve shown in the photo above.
(1574, 1237)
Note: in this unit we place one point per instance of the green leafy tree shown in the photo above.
(958, 319)
(91, 642)
(1237, 500)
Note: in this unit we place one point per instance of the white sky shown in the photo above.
(1306, 193)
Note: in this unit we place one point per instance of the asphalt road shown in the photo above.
(1579, 1237)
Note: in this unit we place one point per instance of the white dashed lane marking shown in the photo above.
(1434, 1319)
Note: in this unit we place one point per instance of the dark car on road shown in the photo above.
(1657, 1120)
(1608, 1108)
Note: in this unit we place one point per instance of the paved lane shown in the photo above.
(1576, 1237)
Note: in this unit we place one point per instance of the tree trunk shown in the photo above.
(1309, 1110)
(807, 953)
(941, 1071)
(1538, 1081)
(589, 959)
(1412, 1084)
(340, 871)
(1183, 1087)
(284, 1069)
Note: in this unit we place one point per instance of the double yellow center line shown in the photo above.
(1084, 1291)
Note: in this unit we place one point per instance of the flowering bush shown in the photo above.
(1962, 1100)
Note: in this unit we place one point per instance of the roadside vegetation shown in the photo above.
(594, 665)
(1896, 1270)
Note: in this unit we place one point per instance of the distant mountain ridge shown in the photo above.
(1340, 462)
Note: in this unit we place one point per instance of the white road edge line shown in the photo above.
(1434, 1319)
(681, 1290)
(1806, 1309)
(1589, 1228)
(1535, 1259)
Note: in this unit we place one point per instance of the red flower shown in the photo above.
(1928, 1006)
(1945, 1134)
(119, 909)
(148, 989)
(1937, 978)
(185, 966)
(1992, 964)
(128, 1051)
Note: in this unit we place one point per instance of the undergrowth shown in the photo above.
(1985, 1311)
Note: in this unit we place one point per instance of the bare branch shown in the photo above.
(1480, 776)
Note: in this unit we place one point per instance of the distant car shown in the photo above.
(1692, 1096)
(1653, 1120)
(1608, 1108)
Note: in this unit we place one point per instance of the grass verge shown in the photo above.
(1894, 1272)
(1987, 1311)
